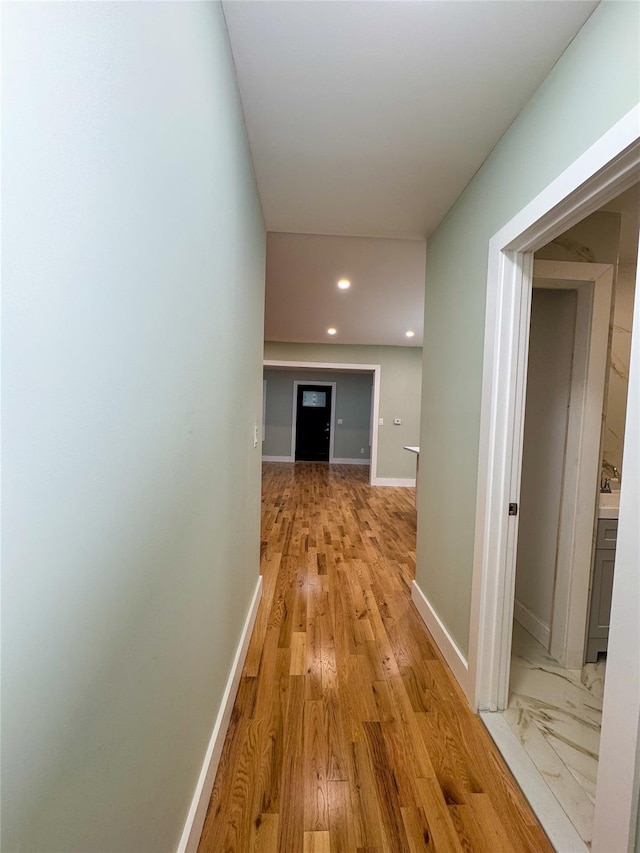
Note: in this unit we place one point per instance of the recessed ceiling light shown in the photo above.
(409, 334)
(331, 331)
(344, 284)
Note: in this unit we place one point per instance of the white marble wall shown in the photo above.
(616, 404)
(597, 239)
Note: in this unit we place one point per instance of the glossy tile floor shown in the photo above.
(556, 714)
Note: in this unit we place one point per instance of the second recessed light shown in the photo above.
(409, 334)
(344, 284)
(331, 331)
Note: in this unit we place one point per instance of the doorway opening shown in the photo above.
(313, 421)
(564, 581)
(609, 168)
(554, 705)
(352, 412)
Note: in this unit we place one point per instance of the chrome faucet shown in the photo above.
(608, 471)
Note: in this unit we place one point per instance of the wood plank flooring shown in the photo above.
(348, 734)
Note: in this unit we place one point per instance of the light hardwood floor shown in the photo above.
(349, 735)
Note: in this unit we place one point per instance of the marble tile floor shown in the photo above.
(556, 714)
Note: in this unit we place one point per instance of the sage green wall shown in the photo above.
(352, 405)
(133, 274)
(400, 376)
(593, 85)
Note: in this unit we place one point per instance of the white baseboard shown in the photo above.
(278, 459)
(532, 623)
(198, 811)
(443, 638)
(358, 461)
(562, 833)
(394, 481)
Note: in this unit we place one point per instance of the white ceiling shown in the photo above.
(386, 297)
(368, 119)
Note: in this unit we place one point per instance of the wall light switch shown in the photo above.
(397, 421)
(380, 421)
(339, 420)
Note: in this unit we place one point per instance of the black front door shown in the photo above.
(313, 423)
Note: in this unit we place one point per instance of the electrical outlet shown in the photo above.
(380, 421)
(255, 435)
(339, 421)
(362, 450)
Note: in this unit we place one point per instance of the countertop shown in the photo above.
(608, 504)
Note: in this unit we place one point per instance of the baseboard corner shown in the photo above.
(403, 482)
(445, 642)
(532, 623)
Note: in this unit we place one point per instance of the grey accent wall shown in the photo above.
(133, 288)
(352, 405)
(400, 376)
(593, 85)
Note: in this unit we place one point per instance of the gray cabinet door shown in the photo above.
(601, 593)
(601, 589)
(607, 533)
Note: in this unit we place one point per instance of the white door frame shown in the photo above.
(580, 475)
(294, 416)
(344, 368)
(609, 167)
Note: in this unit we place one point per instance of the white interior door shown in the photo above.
(551, 345)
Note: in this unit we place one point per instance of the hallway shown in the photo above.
(348, 733)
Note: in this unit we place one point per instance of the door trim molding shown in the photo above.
(332, 414)
(340, 367)
(609, 167)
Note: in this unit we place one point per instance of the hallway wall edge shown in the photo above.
(453, 656)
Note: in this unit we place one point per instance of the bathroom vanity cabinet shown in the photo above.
(601, 588)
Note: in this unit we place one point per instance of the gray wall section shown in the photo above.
(352, 404)
(599, 68)
(400, 376)
(133, 286)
